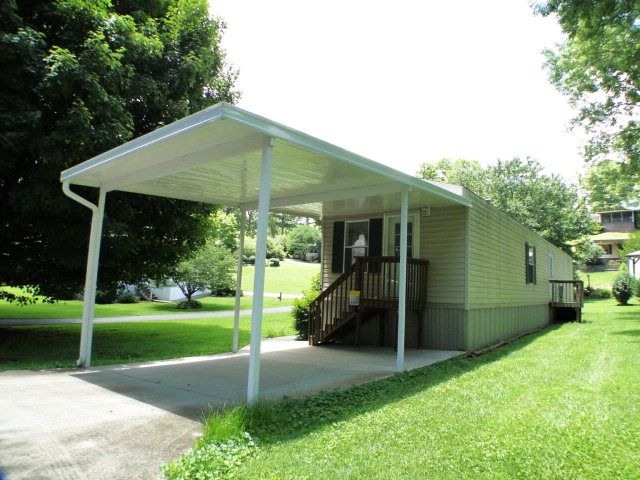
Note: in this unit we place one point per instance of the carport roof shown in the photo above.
(214, 156)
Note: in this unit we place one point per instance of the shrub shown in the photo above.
(188, 304)
(300, 310)
(104, 296)
(275, 247)
(249, 248)
(223, 265)
(623, 287)
(274, 262)
(128, 297)
(303, 239)
(597, 292)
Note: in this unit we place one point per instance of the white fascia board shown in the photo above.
(304, 140)
(196, 120)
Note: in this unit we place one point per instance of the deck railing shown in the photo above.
(567, 293)
(376, 279)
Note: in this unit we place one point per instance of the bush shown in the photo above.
(274, 262)
(105, 296)
(223, 265)
(597, 292)
(188, 304)
(303, 239)
(300, 310)
(128, 297)
(623, 287)
(275, 247)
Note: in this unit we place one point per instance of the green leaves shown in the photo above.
(520, 188)
(80, 77)
(597, 68)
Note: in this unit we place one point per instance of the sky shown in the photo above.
(405, 82)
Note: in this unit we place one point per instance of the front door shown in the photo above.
(392, 236)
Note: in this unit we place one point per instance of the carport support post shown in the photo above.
(258, 280)
(236, 311)
(402, 290)
(89, 300)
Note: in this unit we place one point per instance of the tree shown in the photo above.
(596, 67)
(303, 239)
(586, 253)
(223, 266)
(630, 245)
(79, 78)
(607, 186)
(459, 172)
(194, 274)
(544, 203)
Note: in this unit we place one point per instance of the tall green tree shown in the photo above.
(520, 188)
(597, 67)
(80, 77)
(607, 186)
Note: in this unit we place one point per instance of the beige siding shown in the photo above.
(497, 260)
(442, 243)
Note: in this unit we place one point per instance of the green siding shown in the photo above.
(497, 261)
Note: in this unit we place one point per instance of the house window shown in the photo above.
(356, 241)
(607, 247)
(530, 263)
(627, 217)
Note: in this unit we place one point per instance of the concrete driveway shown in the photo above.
(124, 421)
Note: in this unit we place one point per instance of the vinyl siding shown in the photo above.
(442, 243)
(497, 260)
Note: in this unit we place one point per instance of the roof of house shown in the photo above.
(610, 236)
(215, 156)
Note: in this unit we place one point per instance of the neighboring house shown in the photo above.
(476, 276)
(617, 227)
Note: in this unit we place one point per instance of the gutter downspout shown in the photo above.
(91, 278)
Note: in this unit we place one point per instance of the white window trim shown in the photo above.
(346, 234)
(416, 231)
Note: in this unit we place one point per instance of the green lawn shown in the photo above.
(289, 277)
(73, 308)
(34, 347)
(563, 403)
(598, 279)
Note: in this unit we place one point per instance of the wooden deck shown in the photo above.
(567, 294)
(369, 287)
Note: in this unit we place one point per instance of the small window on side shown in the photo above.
(530, 263)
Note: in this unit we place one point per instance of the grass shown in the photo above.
(73, 308)
(563, 403)
(53, 346)
(289, 277)
(598, 279)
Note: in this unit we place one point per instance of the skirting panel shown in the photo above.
(487, 326)
(445, 327)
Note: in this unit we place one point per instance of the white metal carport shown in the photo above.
(225, 155)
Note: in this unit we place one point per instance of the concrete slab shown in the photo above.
(124, 421)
